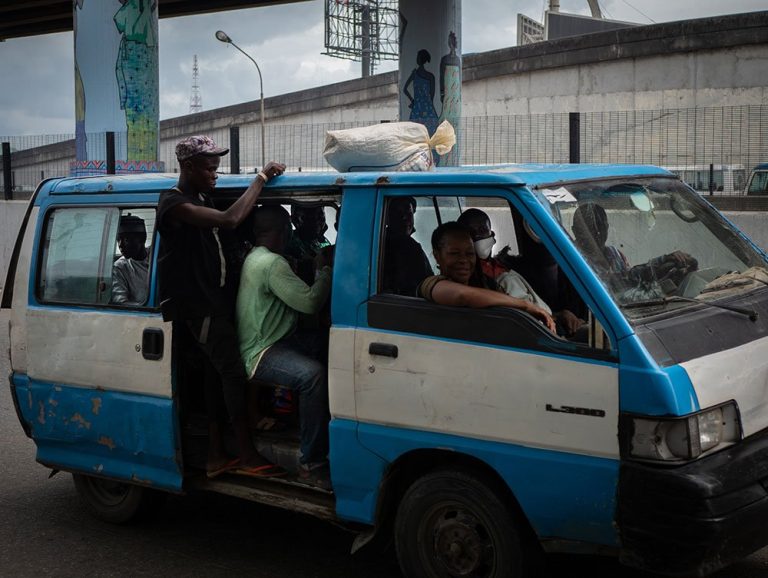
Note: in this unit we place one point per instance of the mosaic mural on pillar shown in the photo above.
(430, 66)
(116, 83)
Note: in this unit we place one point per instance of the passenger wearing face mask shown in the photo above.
(484, 239)
(497, 276)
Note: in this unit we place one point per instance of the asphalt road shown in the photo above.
(44, 531)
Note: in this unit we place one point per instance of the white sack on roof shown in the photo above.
(393, 146)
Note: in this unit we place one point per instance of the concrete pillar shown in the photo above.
(430, 65)
(116, 85)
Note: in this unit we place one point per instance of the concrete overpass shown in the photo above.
(33, 17)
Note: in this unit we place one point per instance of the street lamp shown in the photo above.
(223, 37)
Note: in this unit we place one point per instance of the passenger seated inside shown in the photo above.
(308, 238)
(130, 273)
(534, 262)
(659, 276)
(502, 278)
(457, 283)
(405, 263)
(270, 298)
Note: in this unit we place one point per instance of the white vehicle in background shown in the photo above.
(758, 180)
(727, 179)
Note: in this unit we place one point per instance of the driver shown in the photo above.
(590, 230)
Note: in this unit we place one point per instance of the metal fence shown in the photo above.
(299, 146)
(713, 149)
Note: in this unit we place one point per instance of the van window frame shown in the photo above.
(107, 244)
(400, 313)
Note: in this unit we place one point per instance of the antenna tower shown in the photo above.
(195, 100)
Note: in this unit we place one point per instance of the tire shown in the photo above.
(451, 523)
(117, 502)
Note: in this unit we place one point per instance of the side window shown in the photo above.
(508, 257)
(130, 266)
(405, 254)
(75, 266)
(96, 256)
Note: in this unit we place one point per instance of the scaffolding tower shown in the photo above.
(362, 30)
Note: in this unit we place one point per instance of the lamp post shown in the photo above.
(223, 37)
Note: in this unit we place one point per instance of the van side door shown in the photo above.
(491, 384)
(98, 392)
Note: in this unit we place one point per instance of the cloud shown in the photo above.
(40, 96)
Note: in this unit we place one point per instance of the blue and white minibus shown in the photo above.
(465, 434)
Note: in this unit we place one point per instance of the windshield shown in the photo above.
(759, 183)
(654, 243)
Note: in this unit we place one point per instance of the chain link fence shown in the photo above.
(713, 149)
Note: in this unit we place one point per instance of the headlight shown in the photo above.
(680, 438)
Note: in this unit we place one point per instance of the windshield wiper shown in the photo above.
(750, 313)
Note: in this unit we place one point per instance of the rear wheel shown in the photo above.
(117, 502)
(450, 523)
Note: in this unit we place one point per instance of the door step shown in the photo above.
(285, 493)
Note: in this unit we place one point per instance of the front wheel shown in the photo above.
(117, 502)
(450, 523)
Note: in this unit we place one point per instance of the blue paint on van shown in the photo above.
(562, 494)
(105, 433)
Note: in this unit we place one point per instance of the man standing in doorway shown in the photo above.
(192, 271)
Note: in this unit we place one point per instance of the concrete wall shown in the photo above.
(694, 63)
(11, 215)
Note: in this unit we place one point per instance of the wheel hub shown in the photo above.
(461, 543)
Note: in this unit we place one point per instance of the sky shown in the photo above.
(287, 41)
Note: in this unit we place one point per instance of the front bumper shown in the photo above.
(696, 518)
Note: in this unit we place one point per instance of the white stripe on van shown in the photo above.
(530, 399)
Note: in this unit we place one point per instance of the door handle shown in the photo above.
(384, 349)
(152, 343)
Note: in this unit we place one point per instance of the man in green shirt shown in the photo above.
(270, 298)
